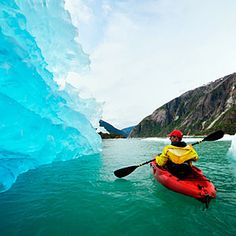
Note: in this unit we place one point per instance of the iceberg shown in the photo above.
(232, 149)
(40, 122)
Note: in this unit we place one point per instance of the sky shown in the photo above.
(145, 53)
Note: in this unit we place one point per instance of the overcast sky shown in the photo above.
(145, 53)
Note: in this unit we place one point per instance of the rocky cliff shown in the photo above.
(199, 111)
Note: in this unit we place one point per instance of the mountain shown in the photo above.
(128, 130)
(112, 131)
(199, 111)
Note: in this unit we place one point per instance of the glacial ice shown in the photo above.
(232, 149)
(39, 122)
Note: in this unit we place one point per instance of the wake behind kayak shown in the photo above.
(195, 184)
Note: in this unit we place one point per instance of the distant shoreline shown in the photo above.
(226, 137)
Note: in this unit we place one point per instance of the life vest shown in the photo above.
(177, 155)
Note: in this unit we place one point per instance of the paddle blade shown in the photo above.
(214, 136)
(124, 171)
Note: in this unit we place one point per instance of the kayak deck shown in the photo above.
(195, 184)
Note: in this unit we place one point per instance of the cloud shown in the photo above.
(150, 52)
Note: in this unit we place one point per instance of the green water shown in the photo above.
(83, 197)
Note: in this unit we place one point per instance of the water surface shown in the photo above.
(83, 197)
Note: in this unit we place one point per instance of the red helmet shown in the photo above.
(176, 133)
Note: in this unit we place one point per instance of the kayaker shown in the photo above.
(178, 156)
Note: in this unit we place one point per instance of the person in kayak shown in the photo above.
(178, 156)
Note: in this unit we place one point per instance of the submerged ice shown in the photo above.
(39, 123)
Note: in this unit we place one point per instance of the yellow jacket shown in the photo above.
(177, 155)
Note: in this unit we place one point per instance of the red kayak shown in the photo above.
(194, 185)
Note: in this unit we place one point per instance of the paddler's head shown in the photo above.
(176, 135)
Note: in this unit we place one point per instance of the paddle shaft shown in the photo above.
(146, 162)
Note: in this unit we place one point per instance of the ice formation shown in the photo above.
(39, 123)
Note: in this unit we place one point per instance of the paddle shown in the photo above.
(128, 170)
(212, 137)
